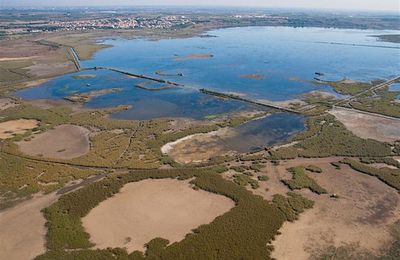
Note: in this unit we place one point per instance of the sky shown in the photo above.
(371, 5)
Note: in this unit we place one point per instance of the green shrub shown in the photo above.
(301, 180)
(313, 168)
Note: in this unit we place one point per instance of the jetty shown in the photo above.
(254, 102)
(137, 75)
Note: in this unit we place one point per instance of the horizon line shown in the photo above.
(207, 7)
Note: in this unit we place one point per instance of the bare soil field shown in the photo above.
(361, 217)
(369, 126)
(148, 209)
(23, 229)
(62, 142)
(10, 128)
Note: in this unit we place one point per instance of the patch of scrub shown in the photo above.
(367, 125)
(6, 103)
(144, 210)
(62, 142)
(9, 129)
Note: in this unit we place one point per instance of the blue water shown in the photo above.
(145, 104)
(395, 88)
(268, 131)
(282, 58)
(277, 53)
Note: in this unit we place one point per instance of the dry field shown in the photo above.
(369, 126)
(62, 142)
(10, 128)
(148, 209)
(362, 216)
(23, 229)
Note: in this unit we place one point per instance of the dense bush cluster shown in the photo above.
(301, 180)
(292, 205)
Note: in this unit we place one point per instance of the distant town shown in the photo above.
(15, 22)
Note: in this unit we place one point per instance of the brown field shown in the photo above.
(369, 126)
(23, 229)
(10, 128)
(362, 216)
(62, 142)
(148, 209)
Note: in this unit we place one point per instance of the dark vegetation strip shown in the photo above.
(241, 233)
(386, 160)
(389, 176)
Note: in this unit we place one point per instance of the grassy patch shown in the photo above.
(244, 180)
(382, 102)
(352, 88)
